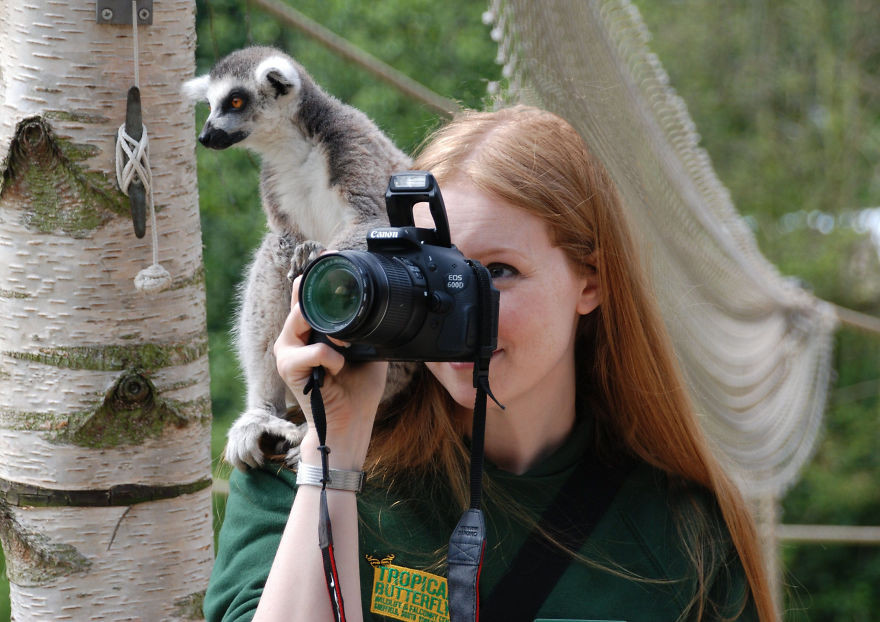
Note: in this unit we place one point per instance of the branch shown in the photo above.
(855, 319)
(335, 43)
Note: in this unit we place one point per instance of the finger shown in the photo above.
(295, 364)
(294, 292)
(332, 360)
(295, 332)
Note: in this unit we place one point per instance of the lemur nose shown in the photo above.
(207, 134)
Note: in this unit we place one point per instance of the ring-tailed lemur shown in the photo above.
(325, 167)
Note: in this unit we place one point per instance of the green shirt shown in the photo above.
(637, 569)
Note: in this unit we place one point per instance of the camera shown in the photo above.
(412, 295)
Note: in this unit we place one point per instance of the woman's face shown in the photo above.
(542, 298)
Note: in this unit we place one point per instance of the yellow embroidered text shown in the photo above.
(407, 594)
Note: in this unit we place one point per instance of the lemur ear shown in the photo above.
(196, 90)
(278, 74)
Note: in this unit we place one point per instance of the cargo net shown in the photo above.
(754, 346)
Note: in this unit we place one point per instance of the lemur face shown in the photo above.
(232, 113)
(244, 89)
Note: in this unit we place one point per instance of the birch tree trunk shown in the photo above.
(105, 501)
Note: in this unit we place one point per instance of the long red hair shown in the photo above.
(536, 161)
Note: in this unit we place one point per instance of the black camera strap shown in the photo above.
(464, 559)
(325, 530)
(575, 511)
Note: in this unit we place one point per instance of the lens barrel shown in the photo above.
(361, 296)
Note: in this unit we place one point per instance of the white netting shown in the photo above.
(755, 347)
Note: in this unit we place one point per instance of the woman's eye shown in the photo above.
(501, 270)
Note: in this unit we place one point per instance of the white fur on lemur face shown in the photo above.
(245, 90)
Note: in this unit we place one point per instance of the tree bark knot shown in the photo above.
(44, 180)
(131, 411)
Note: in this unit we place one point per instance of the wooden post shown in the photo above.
(768, 519)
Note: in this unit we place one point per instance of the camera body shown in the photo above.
(412, 295)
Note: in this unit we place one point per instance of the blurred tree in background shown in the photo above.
(785, 95)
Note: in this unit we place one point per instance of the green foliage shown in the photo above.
(814, 592)
(4, 590)
(839, 487)
(227, 391)
(785, 97)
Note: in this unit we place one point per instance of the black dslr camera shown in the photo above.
(411, 296)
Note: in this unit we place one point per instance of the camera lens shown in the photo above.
(334, 298)
(362, 296)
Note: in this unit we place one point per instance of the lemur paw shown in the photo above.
(303, 254)
(243, 447)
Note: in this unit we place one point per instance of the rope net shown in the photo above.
(755, 347)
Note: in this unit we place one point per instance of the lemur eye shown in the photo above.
(236, 102)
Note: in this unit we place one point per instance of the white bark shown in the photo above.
(72, 325)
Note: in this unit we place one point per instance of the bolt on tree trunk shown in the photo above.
(105, 501)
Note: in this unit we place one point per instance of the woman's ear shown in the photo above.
(591, 295)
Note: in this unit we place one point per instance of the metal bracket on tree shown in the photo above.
(118, 12)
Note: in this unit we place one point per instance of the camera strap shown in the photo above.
(571, 517)
(325, 531)
(464, 559)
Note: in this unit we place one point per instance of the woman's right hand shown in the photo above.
(351, 391)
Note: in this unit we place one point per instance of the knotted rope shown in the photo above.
(132, 165)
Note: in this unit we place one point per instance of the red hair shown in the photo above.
(537, 162)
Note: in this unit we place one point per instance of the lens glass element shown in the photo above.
(332, 293)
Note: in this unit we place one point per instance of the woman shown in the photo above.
(595, 409)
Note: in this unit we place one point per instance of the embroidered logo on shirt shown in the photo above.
(407, 594)
(375, 562)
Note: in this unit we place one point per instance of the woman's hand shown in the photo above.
(295, 588)
(351, 391)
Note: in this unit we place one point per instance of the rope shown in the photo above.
(133, 165)
(134, 36)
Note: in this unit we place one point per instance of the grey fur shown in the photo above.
(325, 167)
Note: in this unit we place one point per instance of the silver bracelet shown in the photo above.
(310, 475)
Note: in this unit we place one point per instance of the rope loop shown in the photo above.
(133, 160)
